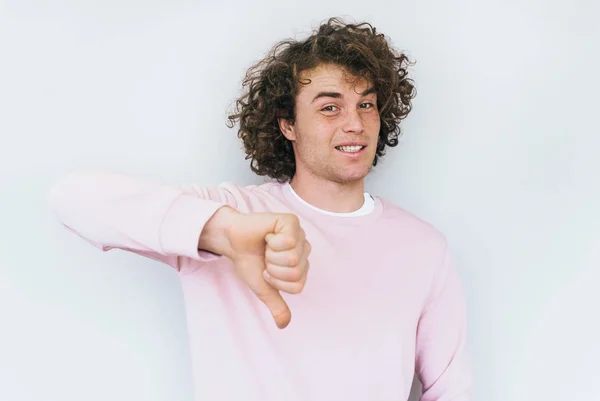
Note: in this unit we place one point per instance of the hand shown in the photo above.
(270, 253)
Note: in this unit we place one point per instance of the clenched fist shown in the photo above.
(269, 250)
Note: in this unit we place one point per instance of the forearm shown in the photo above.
(114, 210)
(442, 358)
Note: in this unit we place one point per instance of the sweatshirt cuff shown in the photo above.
(183, 224)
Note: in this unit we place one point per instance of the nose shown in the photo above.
(353, 123)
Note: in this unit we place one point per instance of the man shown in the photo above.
(383, 299)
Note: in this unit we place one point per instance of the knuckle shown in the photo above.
(294, 218)
(295, 275)
(306, 267)
(296, 288)
(291, 218)
(290, 242)
(293, 259)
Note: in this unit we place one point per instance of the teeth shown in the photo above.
(349, 149)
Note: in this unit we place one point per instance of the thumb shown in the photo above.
(275, 303)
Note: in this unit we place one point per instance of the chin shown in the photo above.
(352, 176)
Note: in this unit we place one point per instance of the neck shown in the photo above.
(328, 195)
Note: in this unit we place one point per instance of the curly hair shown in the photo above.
(273, 83)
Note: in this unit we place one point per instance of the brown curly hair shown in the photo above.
(273, 83)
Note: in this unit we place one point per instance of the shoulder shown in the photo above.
(267, 189)
(249, 197)
(402, 222)
(415, 238)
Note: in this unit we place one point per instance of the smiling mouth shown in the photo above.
(350, 149)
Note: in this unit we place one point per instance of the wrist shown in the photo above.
(215, 234)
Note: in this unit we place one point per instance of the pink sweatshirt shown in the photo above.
(382, 300)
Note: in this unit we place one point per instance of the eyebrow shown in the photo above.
(339, 95)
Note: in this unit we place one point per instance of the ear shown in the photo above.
(287, 129)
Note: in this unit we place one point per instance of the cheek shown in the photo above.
(319, 134)
(375, 126)
(375, 121)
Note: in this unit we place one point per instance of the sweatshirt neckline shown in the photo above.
(306, 210)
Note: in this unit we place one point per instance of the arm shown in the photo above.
(442, 360)
(113, 210)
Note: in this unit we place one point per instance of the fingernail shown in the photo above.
(266, 275)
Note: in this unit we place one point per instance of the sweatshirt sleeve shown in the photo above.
(113, 210)
(442, 361)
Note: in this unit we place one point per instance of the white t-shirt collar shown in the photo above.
(367, 207)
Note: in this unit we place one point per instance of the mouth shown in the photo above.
(350, 149)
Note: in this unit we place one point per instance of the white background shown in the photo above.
(501, 153)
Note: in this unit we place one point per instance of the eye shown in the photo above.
(371, 105)
(327, 107)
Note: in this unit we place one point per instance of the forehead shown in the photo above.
(330, 76)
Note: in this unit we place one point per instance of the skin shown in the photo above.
(270, 250)
(326, 177)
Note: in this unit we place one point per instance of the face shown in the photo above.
(337, 125)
